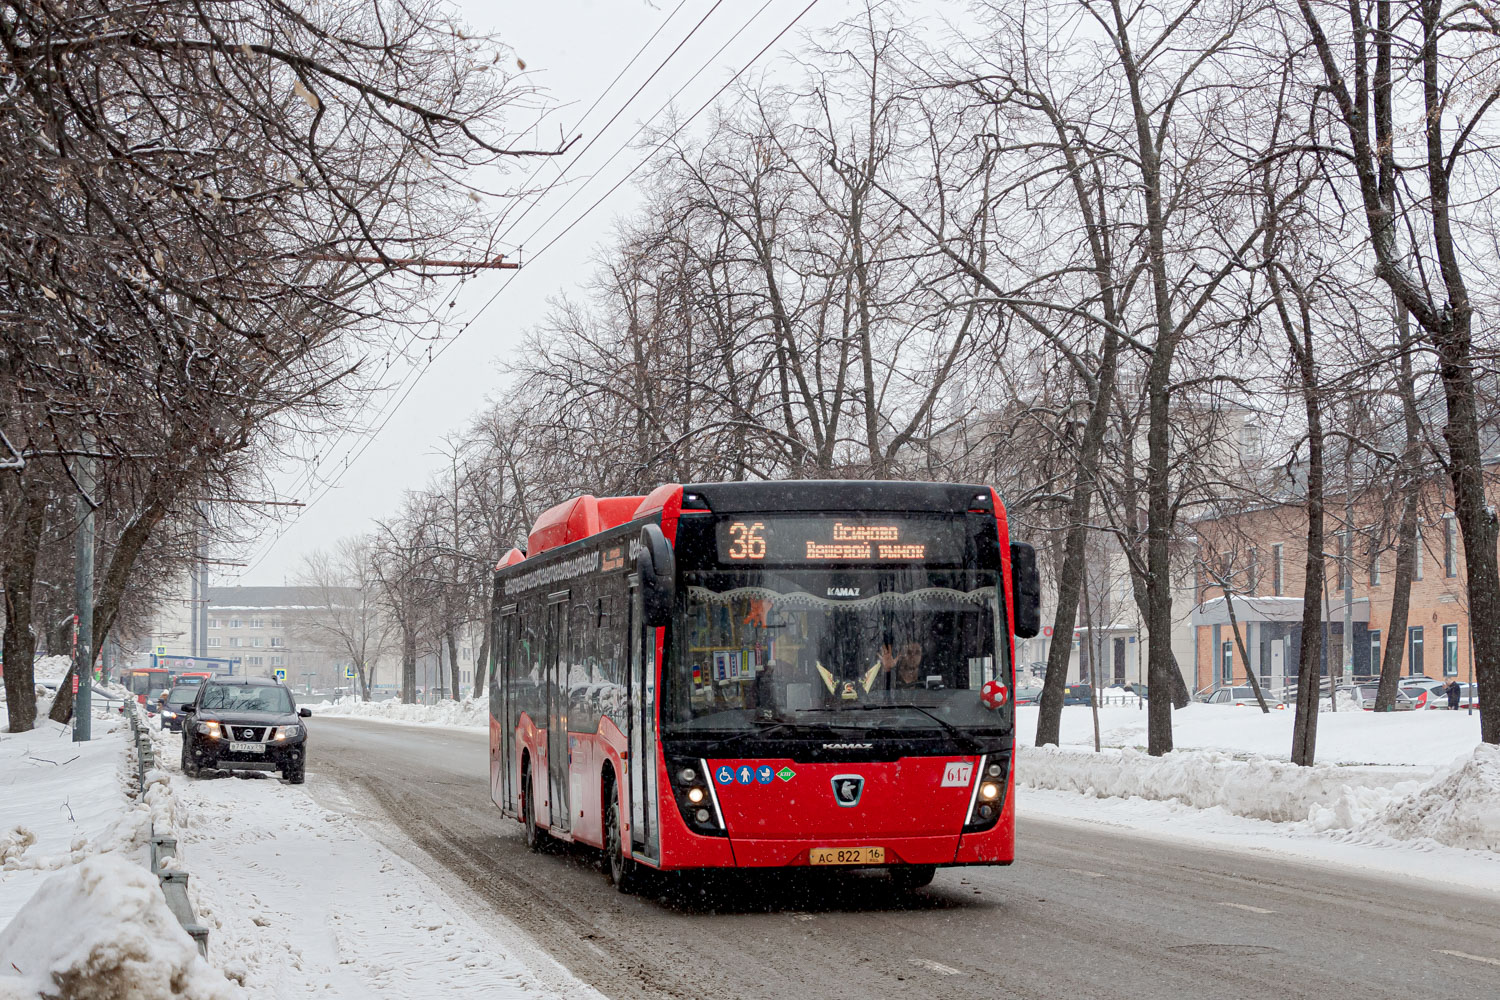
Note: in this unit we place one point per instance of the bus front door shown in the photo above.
(645, 837)
(557, 713)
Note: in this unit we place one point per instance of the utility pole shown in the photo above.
(83, 597)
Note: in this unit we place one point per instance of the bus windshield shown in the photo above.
(880, 650)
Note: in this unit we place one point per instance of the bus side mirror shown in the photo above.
(658, 571)
(1025, 590)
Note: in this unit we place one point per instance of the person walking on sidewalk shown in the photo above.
(1453, 693)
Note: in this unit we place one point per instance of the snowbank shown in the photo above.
(1460, 807)
(1204, 779)
(80, 915)
(471, 713)
(1429, 738)
(101, 930)
(1455, 807)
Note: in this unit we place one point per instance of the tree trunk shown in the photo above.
(408, 666)
(453, 672)
(1070, 580)
(22, 546)
(482, 665)
(108, 594)
(1395, 633)
(1305, 724)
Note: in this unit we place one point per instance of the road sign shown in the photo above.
(280, 673)
(349, 672)
(161, 650)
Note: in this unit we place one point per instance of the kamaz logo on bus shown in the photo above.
(843, 591)
(848, 746)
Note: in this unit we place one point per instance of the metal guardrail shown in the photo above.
(174, 882)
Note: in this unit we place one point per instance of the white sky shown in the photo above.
(573, 49)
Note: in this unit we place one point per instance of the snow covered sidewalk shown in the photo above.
(301, 903)
(80, 915)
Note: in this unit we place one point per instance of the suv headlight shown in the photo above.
(287, 732)
(209, 729)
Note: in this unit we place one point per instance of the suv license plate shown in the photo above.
(247, 748)
(846, 856)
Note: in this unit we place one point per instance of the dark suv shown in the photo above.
(245, 723)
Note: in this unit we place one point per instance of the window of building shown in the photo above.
(276, 623)
(1414, 650)
(277, 640)
(1450, 650)
(256, 661)
(234, 623)
(257, 623)
(1450, 545)
(1375, 558)
(1226, 661)
(213, 623)
(1374, 650)
(1252, 571)
(213, 640)
(278, 661)
(256, 640)
(234, 641)
(1417, 572)
(1278, 571)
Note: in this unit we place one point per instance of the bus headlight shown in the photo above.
(987, 795)
(690, 787)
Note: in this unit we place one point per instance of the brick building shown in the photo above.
(1259, 555)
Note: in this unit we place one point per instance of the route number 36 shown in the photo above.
(748, 540)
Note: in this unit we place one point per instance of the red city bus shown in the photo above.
(764, 675)
(145, 682)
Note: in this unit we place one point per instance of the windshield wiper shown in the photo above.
(765, 727)
(948, 727)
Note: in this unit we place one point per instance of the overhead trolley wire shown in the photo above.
(311, 475)
(418, 372)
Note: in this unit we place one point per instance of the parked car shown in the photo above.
(245, 723)
(1078, 694)
(1363, 695)
(170, 712)
(1468, 696)
(1437, 690)
(1029, 694)
(1242, 695)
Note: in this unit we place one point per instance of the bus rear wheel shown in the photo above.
(528, 811)
(909, 877)
(623, 871)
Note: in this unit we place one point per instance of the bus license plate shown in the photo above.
(247, 748)
(847, 856)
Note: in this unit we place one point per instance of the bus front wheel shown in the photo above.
(528, 811)
(623, 871)
(909, 877)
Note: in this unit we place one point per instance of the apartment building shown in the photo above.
(1259, 558)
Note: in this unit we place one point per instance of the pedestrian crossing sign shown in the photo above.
(280, 673)
(349, 672)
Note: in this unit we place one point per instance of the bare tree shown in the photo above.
(346, 616)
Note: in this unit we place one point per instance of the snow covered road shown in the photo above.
(1088, 910)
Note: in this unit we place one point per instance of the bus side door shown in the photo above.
(645, 836)
(557, 712)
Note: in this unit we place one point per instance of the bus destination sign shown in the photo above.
(882, 539)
